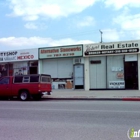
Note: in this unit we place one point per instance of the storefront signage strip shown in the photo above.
(117, 51)
(20, 55)
(95, 47)
(57, 52)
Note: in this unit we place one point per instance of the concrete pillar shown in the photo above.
(86, 74)
(138, 71)
(40, 67)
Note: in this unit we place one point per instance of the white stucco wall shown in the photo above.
(86, 74)
(39, 66)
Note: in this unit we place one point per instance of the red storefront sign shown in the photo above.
(25, 57)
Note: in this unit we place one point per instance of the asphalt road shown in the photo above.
(68, 120)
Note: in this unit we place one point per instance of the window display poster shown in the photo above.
(3, 70)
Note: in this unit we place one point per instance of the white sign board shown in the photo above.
(19, 55)
(60, 52)
(131, 57)
(111, 48)
(117, 84)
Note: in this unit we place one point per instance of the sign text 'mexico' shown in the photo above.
(25, 57)
(21, 55)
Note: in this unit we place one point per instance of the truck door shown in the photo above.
(5, 86)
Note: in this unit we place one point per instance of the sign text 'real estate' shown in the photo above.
(115, 48)
(111, 46)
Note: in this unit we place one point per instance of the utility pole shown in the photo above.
(101, 35)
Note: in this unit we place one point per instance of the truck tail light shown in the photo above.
(39, 85)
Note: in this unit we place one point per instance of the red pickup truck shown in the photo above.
(25, 86)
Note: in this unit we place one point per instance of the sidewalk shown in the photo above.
(125, 95)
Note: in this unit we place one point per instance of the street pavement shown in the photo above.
(68, 120)
(66, 94)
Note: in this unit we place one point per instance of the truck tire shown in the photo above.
(24, 95)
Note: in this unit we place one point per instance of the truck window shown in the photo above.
(34, 79)
(4, 81)
(26, 79)
(46, 79)
(18, 79)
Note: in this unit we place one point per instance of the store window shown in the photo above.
(3, 70)
(20, 68)
(115, 72)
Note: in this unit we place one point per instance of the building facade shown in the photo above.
(65, 64)
(18, 62)
(96, 66)
(114, 65)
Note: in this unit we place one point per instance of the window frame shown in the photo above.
(4, 79)
(24, 80)
(46, 76)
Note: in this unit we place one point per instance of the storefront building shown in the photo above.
(114, 65)
(65, 64)
(19, 62)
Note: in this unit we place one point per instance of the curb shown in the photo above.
(83, 99)
(93, 98)
(131, 99)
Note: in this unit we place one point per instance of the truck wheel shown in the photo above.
(24, 95)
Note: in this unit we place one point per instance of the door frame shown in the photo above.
(126, 77)
(33, 67)
(74, 76)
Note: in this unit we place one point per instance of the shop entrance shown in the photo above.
(33, 70)
(98, 72)
(79, 76)
(131, 75)
(33, 67)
